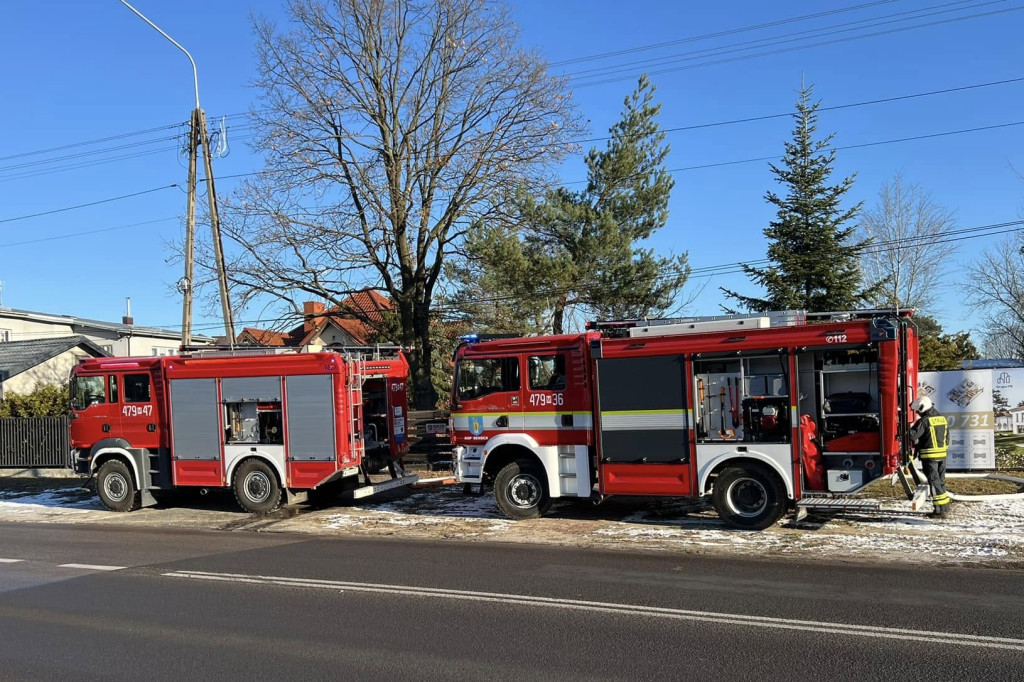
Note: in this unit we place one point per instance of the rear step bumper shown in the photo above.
(838, 504)
(373, 489)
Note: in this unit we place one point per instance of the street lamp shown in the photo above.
(198, 137)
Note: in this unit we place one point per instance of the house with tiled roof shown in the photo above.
(321, 326)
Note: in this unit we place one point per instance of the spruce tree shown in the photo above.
(813, 257)
(576, 250)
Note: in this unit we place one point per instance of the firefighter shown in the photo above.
(930, 435)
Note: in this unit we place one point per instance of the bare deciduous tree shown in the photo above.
(904, 253)
(388, 127)
(996, 285)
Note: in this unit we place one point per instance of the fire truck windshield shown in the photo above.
(86, 391)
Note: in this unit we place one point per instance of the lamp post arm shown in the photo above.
(195, 72)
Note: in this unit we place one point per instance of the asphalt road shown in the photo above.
(83, 603)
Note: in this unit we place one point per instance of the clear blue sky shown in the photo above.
(79, 71)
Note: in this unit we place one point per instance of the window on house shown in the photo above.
(136, 388)
(5, 335)
(107, 348)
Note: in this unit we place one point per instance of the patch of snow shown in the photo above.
(60, 501)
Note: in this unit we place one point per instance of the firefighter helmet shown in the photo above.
(921, 405)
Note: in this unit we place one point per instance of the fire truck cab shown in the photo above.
(756, 412)
(265, 425)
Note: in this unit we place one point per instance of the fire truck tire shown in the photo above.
(749, 497)
(116, 487)
(256, 487)
(520, 491)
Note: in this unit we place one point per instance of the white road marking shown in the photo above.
(875, 631)
(92, 567)
(10, 561)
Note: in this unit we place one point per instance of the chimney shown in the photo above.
(312, 312)
(128, 319)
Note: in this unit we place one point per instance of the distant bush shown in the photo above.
(43, 401)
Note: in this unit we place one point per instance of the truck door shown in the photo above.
(95, 407)
(643, 437)
(138, 412)
(488, 396)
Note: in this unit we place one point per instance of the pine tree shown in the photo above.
(576, 250)
(813, 264)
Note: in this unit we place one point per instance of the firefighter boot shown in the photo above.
(939, 512)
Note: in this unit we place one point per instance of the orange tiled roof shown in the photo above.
(369, 303)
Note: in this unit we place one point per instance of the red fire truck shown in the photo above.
(266, 425)
(757, 412)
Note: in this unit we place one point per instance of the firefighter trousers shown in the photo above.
(935, 472)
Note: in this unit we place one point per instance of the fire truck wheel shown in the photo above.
(256, 487)
(749, 497)
(520, 491)
(115, 486)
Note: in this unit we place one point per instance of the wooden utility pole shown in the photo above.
(190, 232)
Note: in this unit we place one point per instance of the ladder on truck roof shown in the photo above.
(732, 322)
(378, 352)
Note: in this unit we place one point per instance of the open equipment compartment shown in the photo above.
(839, 391)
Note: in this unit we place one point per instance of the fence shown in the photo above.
(37, 442)
(427, 431)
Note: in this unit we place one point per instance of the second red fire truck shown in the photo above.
(269, 426)
(757, 412)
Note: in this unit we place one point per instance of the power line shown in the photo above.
(776, 157)
(719, 34)
(70, 235)
(708, 272)
(783, 38)
(836, 41)
(705, 272)
(84, 143)
(578, 59)
(576, 182)
(91, 203)
(836, 107)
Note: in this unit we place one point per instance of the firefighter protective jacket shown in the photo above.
(931, 435)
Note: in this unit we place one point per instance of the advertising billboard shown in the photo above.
(964, 397)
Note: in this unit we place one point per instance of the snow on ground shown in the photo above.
(991, 533)
(59, 502)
